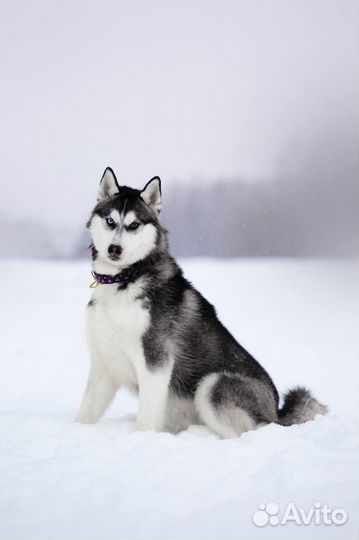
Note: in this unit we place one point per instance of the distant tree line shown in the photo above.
(310, 208)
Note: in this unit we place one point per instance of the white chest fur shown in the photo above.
(116, 323)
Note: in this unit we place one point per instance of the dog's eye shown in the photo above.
(133, 226)
(109, 221)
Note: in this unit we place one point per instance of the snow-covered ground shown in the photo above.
(62, 480)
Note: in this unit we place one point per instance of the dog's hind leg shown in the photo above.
(100, 391)
(230, 404)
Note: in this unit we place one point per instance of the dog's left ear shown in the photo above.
(151, 194)
(108, 185)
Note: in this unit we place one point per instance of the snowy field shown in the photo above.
(61, 480)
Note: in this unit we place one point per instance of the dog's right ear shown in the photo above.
(108, 185)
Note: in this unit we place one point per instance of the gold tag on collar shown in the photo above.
(94, 285)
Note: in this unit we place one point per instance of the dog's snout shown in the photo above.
(114, 250)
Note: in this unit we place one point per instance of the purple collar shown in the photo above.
(124, 276)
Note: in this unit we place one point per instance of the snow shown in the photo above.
(64, 480)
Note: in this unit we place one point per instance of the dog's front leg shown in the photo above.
(100, 391)
(153, 394)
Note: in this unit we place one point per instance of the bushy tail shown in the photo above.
(299, 406)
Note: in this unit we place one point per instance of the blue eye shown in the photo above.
(109, 221)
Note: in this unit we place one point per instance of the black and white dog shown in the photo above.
(151, 331)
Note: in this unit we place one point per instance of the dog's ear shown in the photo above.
(151, 194)
(108, 185)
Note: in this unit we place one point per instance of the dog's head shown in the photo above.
(124, 224)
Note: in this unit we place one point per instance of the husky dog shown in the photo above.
(151, 331)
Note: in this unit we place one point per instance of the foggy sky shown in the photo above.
(194, 91)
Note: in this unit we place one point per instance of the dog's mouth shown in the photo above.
(114, 258)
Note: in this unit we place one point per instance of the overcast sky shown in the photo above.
(184, 89)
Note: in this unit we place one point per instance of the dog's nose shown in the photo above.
(114, 250)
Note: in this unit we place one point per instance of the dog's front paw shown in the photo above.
(85, 417)
(143, 424)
